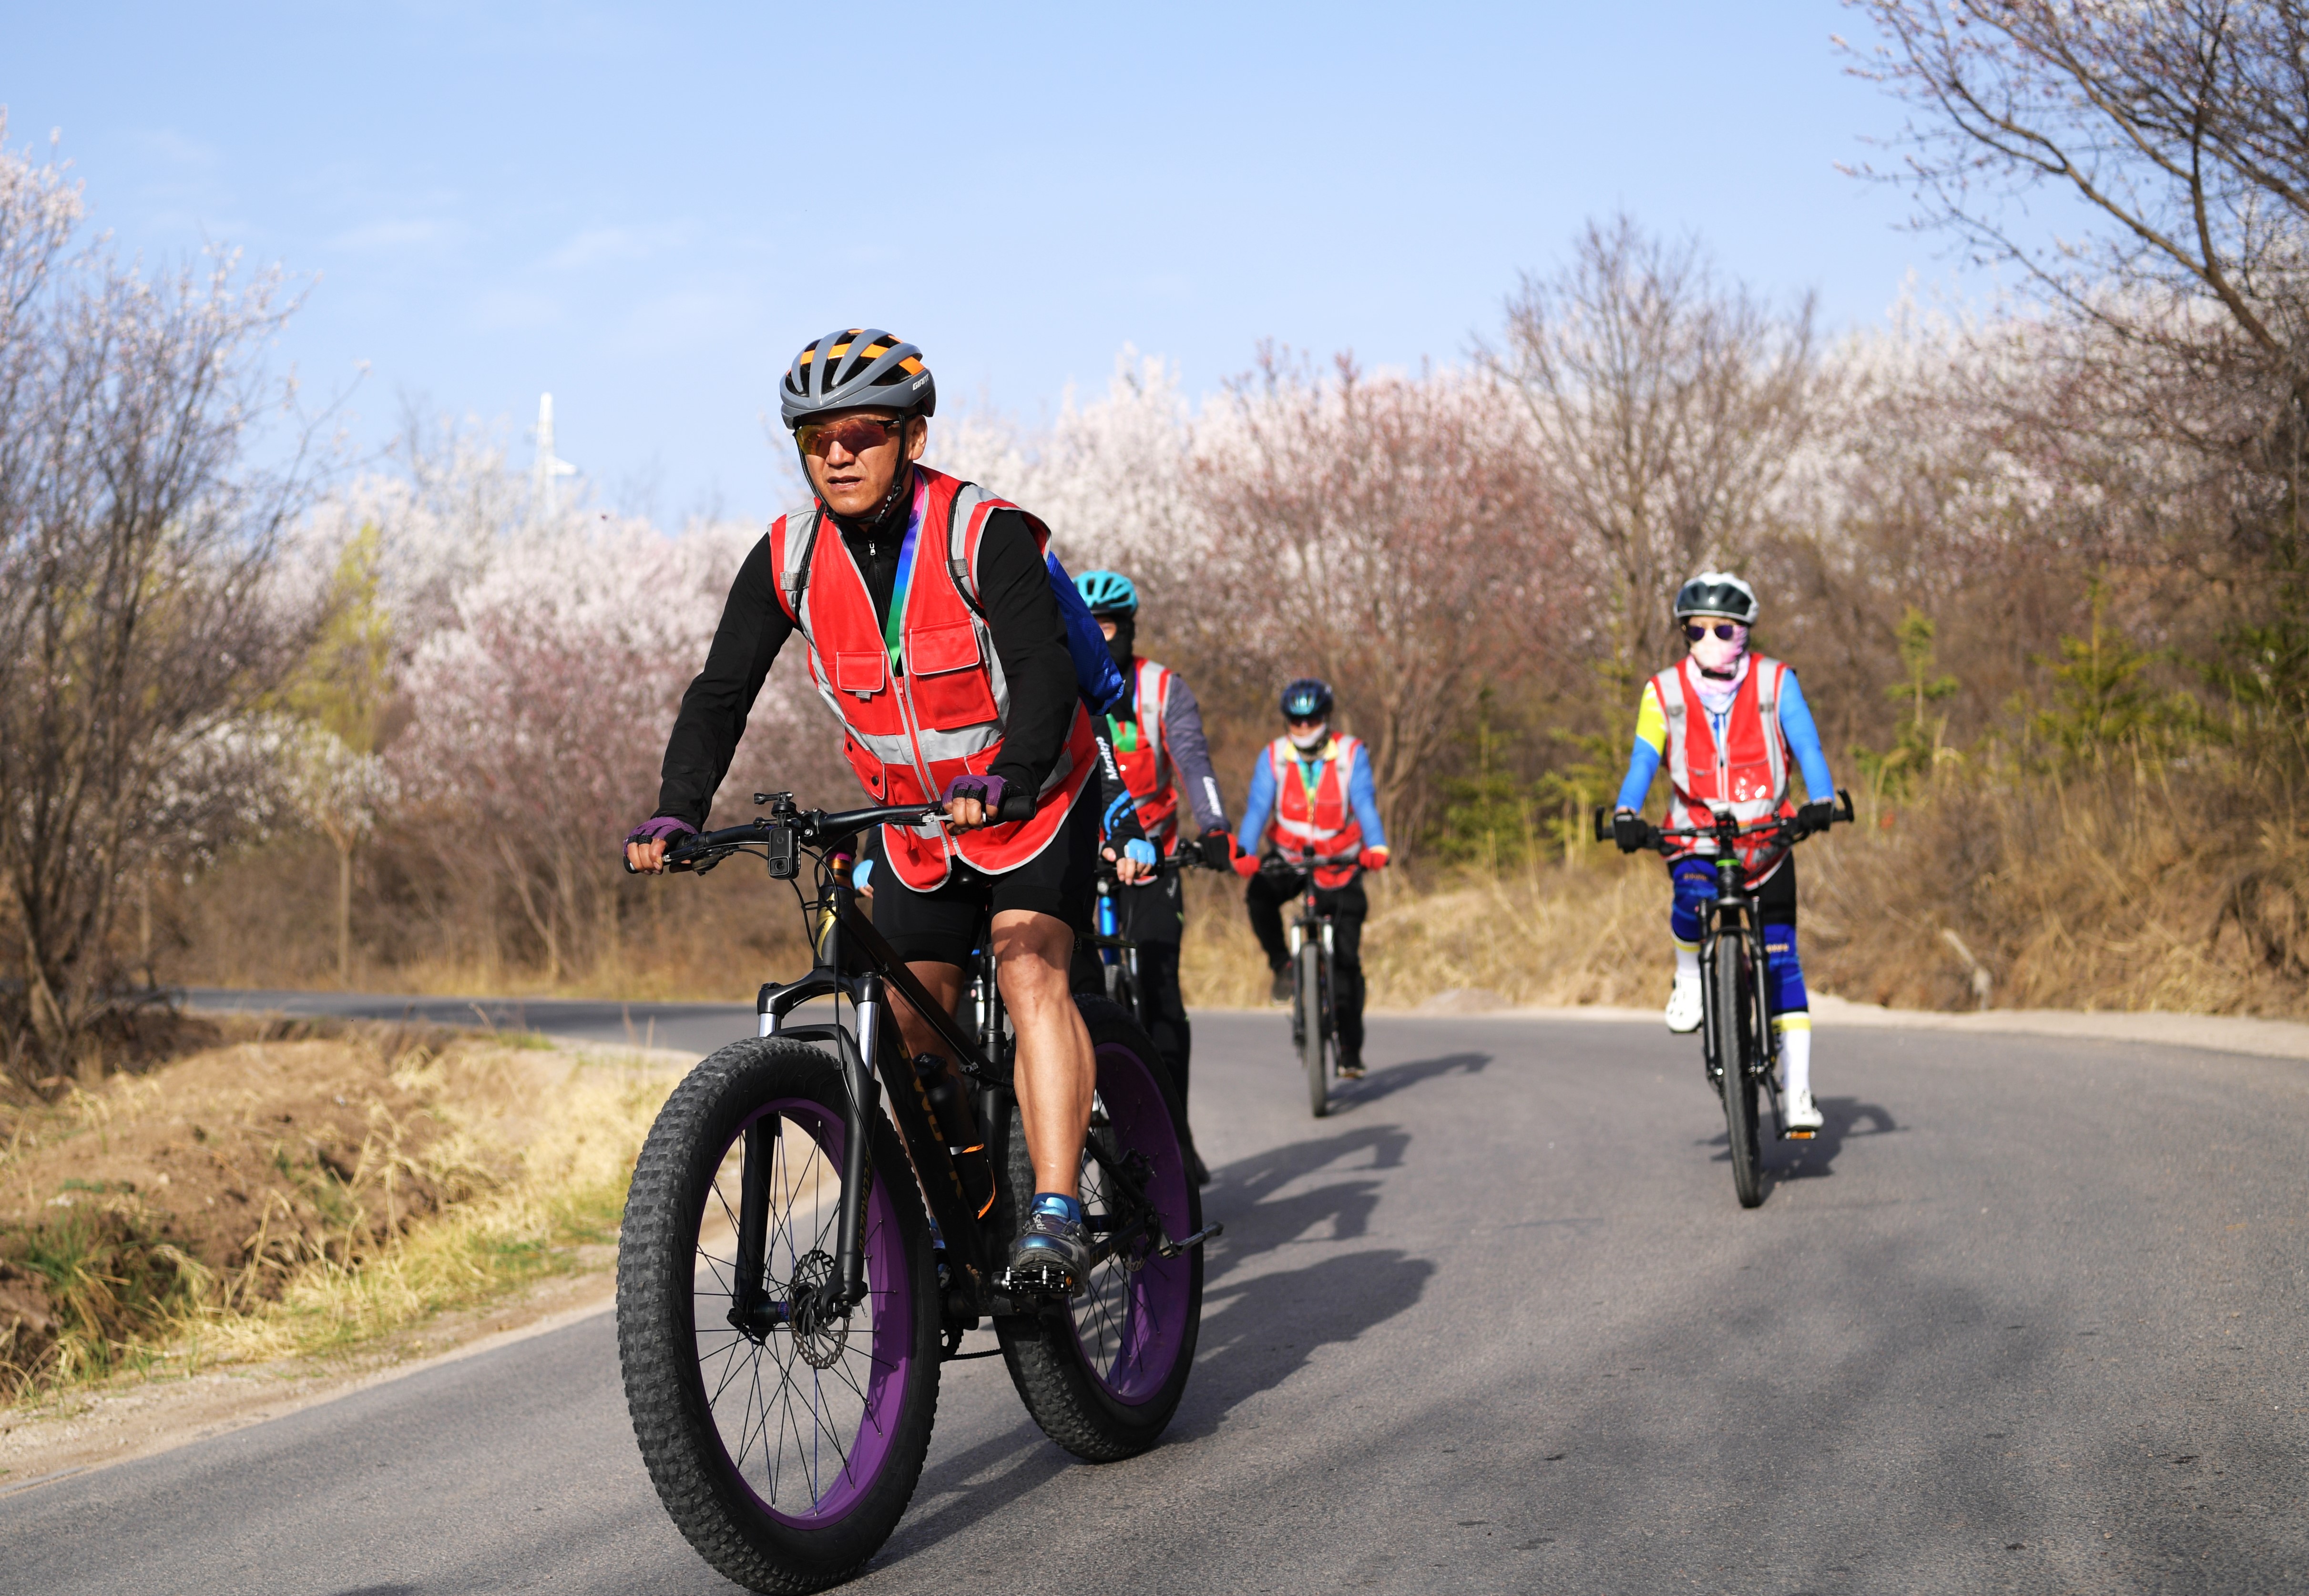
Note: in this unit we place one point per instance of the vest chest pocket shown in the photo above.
(861, 674)
(951, 686)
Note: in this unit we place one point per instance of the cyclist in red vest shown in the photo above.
(935, 636)
(1725, 723)
(1318, 789)
(1157, 734)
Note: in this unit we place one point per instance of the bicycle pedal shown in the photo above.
(1799, 1135)
(1038, 1286)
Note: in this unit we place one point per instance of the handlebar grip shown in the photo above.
(1845, 814)
(1017, 806)
(1603, 823)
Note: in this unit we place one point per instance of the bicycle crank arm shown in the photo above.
(1172, 1249)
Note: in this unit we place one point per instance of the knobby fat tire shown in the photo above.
(657, 1261)
(1044, 1356)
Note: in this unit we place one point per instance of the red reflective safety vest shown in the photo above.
(1145, 759)
(1317, 818)
(1747, 770)
(913, 725)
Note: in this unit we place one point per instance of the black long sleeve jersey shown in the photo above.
(1013, 588)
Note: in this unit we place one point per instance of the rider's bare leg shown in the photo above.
(1057, 1070)
(944, 983)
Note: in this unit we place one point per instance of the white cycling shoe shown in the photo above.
(1803, 1115)
(1683, 1006)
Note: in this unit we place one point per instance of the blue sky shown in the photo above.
(647, 212)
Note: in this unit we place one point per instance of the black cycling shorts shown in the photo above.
(941, 926)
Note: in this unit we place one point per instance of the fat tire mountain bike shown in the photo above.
(1739, 1049)
(805, 1243)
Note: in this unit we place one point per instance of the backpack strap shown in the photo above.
(965, 521)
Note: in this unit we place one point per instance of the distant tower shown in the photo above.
(541, 474)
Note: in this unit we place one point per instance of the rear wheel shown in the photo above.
(1102, 1373)
(1736, 1044)
(784, 1447)
(1314, 1026)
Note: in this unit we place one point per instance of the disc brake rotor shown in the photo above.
(819, 1337)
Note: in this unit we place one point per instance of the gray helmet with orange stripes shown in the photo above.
(855, 369)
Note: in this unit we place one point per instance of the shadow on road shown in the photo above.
(1842, 1120)
(1256, 1331)
(1349, 1095)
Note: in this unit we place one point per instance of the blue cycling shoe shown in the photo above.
(1051, 1257)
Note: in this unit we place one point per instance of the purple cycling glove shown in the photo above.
(668, 829)
(986, 789)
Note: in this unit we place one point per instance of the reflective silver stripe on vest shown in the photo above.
(1152, 681)
(1154, 688)
(962, 566)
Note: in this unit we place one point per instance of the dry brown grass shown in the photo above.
(272, 1196)
(2132, 883)
(1591, 933)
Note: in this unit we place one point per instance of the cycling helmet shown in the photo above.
(1717, 593)
(854, 369)
(1107, 593)
(1306, 698)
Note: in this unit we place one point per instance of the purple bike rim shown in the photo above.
(856, 1460)
(1151, 1322)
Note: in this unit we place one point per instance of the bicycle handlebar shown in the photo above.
(1186, 859)
(787, 827)
(1658, 838)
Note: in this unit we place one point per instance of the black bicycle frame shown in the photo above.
(837, 974)
(1734, 902)
(853, 961)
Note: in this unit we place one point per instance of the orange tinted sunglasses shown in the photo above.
(856, 434)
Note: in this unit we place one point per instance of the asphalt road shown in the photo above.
(2027, 1317)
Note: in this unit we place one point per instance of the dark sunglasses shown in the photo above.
(855, 433)
(1726, 629)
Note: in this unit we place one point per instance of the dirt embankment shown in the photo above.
(207, 1184)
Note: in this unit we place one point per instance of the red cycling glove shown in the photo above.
(1372, 858)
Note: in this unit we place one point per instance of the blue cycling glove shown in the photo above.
(861, 876)
(1139, 849)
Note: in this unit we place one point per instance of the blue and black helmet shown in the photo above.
(1307, 698)
(1107, 593)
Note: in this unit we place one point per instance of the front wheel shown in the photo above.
(1104, 1371)
(1314, 1025)
(784, 1441)
(1735, 1046)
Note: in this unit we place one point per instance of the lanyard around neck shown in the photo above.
(1310, 773)
(893, 630)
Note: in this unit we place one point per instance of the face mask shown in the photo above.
(1309, 742)
(1720, 656)
(1121, 646)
